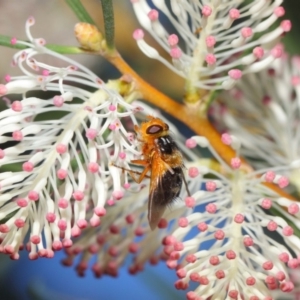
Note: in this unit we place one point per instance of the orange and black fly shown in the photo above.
(161, 158)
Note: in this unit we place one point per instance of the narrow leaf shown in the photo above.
(5, 41)
(80, 11)
(109, 22)
(64, 49)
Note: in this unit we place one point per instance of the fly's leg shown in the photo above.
(186, 185)
(133, 173)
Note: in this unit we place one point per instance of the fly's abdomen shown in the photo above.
(170, 186)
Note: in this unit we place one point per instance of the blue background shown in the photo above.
(48, 279)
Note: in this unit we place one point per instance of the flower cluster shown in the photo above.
(65, 156)
(213, 42)
(263, 112)
(60, 149)
(124, 228)
(232, 218)
(245, 259)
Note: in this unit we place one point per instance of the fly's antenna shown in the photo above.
(186, 185)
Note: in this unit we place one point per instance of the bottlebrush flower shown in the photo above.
(57, 150)
(124, 228)
(227, 245)
(59, 179)
(263, 112)
(244, 259)
(212, 43)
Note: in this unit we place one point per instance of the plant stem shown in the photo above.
(186, 114)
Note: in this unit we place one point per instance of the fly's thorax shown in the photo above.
(169, 151)
(147, 149)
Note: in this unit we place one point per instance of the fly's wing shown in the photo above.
(164, 187)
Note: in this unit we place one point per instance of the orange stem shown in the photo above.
(187, 115)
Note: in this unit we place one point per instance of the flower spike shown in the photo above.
(215, 40)
(59, 173)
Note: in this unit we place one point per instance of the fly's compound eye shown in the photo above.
(154, 129)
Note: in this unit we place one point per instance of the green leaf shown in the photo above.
(213, 95)
(277, 213)
(14, 167)
(80, 11)
(109, 22)
(5, 41)
(65, 49)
